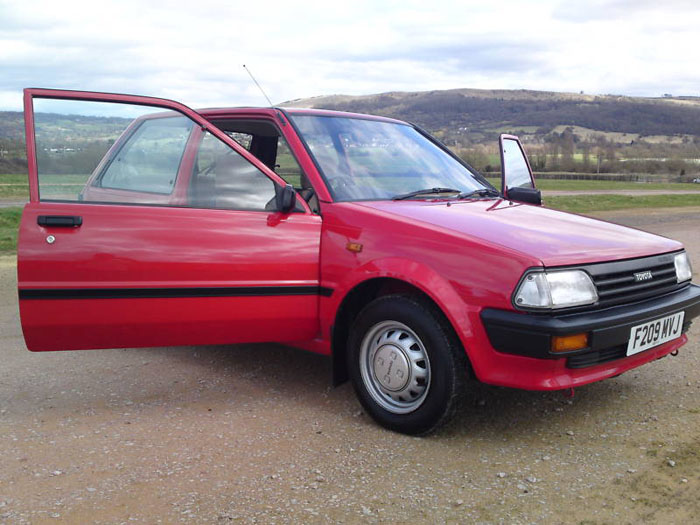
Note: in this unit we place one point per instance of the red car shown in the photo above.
(355, 236)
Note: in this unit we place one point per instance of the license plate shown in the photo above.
(654, 333)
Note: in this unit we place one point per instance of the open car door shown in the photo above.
(149, 226)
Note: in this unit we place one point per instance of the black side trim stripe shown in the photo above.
(324, 291)
(150, 293)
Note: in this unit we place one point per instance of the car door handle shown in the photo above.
(60, 221)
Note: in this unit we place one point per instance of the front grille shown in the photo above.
(616, 283)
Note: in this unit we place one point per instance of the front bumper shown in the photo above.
(530, 335)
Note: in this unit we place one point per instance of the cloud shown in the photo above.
(194, 52)
(621, 10)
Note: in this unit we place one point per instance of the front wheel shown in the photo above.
(406, 365)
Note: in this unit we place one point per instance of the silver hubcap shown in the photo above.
(395, 367)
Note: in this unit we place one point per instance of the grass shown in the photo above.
(9, 222)
(583, 185)
(13, 178)
(588, 203)
(14, 186)
(590, 185)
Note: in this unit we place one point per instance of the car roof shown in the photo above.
(223, 112)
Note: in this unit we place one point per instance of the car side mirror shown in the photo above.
(517, 180)
(286, 198)
(527, 195)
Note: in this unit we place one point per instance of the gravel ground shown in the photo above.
(12, 204)
(254, 434)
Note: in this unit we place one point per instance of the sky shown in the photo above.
(193, 52)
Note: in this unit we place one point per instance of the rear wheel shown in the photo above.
(406, 365)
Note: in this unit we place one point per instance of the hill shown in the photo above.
(486, 110)
(563, 131)
(85, 129)
(13, 158)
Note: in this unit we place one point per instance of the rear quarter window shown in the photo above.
(150, 159)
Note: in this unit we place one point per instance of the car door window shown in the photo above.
(515, 167)
(104, 152)
(72, 139)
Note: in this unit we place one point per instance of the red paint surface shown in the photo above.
(553, 237)
(158, 247)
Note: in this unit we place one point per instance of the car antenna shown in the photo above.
(259, 86)
(279, 115)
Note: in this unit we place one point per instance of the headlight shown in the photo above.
(684, 271)
(555, 289)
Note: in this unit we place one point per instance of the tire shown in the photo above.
(408, 369)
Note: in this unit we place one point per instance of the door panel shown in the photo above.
(134, 276)
(147, 274)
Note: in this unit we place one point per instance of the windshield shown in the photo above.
(372, 160)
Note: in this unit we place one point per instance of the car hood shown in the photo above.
(555, 238)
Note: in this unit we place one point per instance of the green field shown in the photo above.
(583, 185)
(14, 186)
(9, 222)
(588, 203)
(590, 185)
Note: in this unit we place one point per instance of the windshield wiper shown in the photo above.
(426, 191)
(482, 192)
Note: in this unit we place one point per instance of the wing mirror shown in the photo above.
(286, 198)
(528, 195)
(517, 180)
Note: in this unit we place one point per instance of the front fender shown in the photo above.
(419, 275)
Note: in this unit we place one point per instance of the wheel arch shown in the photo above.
(364, 293)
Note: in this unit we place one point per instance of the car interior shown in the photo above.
(263, 139)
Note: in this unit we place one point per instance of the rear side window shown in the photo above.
(150, 159)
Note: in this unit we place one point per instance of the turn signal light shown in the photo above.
(354, 247)
(569, 343)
